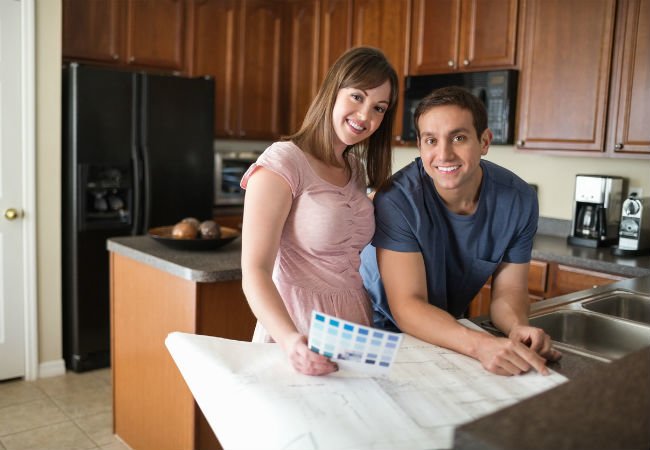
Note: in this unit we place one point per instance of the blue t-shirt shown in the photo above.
(460, 252)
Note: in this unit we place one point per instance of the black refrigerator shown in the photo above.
(137, 153)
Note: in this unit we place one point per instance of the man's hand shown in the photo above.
(505, 356)
(304, 360)
(536, 339)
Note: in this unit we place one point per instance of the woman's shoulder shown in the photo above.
(285, 159)
(282, 149)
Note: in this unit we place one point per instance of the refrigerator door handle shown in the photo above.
(137, 194)
(146, 183)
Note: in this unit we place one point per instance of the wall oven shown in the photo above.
(230, 165)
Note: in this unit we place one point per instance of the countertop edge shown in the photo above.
(224, 264)
(592, 264)
(200, 276)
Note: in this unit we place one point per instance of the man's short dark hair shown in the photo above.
(453, 95)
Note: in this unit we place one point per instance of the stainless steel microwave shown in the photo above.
(497, 89)
(230, 166)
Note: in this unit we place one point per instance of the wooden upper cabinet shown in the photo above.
(93, 30)
(155, 33)
(628, 130)
(304, 17)
(141, 33)
(383, 24)
(260, 59)
(435, 29)
(215, 39)
(335, 32)
(462, 35)
(488, 34)
(565, 74)
(241, 45)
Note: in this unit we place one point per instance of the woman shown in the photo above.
(306, 213)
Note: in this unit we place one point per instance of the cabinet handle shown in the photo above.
(618, 146)
(450, 63)
(132, 58)
(115, 56)
(466, 62)
(521, 143)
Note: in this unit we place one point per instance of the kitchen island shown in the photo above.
(156, 290)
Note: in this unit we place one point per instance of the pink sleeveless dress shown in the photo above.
(317, 266)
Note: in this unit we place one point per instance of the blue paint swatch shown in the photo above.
(355, 346)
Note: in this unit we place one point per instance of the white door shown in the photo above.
(12, 231)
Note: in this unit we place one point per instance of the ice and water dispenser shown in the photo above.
(106, 197)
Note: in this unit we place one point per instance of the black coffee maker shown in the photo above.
(596, 210)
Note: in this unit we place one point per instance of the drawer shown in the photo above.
(572, 279)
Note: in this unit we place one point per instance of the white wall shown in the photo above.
(553, 175)
(48, 178)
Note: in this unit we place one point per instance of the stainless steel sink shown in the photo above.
(627, 305)
(591, 334)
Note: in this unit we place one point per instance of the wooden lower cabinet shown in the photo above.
(547, 280)
(232, 221)
(480, 306)
(567, 279)
(152, 406)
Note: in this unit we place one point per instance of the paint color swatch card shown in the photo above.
(353, 346)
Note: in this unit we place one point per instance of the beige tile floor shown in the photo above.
(71, 411)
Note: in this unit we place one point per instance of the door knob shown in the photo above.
(12, 213)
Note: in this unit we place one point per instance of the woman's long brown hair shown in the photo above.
(362, 68)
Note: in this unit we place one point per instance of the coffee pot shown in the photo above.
(596, 210)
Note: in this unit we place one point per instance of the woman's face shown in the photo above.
(358, 113)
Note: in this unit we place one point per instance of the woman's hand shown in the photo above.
(304, 360)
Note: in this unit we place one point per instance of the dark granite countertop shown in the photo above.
(223, 264)
(555, 248)
(603, 405)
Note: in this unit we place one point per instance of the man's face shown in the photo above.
(451, 150)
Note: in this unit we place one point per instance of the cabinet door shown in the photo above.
(382, 24)
(628, 129)
(215, 42)
(435, 31)
(480, 305)
(155, 33)
(260, 59)
(569, 279)
(488, 34)
(565, 74)
(92, 30)
(335, 32)
(304, 18)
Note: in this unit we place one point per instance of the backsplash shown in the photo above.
(553, 227)
(553, 175)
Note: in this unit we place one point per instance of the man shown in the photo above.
(448, 222)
